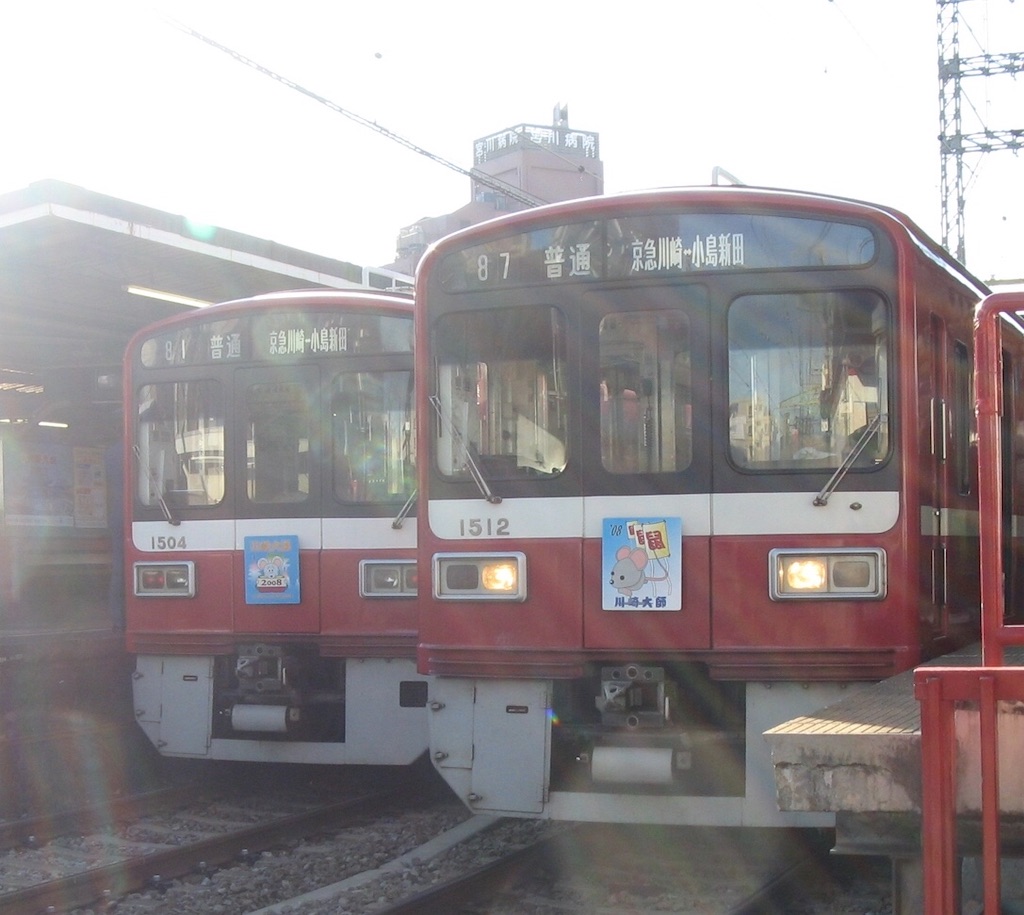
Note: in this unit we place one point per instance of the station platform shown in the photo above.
(58, 675)
(35, 645)
(860, 758)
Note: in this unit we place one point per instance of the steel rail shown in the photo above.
(448, 895)
(39, 829)
(113, 880)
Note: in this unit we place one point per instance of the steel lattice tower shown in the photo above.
(955, 145)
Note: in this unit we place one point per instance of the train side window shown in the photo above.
(374, 447)
(278, 427)
(963, 410)
(646, 403)
(180, 443)
(808, 380)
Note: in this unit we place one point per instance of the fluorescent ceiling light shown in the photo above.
(167, 296)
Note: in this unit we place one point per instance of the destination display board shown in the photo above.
(272, 337)
(656, 245)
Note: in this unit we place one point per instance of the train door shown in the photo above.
(946, 593)
(1012, 442)
(278, 531)
(645, 579)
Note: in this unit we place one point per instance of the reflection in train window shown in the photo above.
(646, 405)
(180, 443)
(501, 393)
(808, 380)
(372, 417)
(278, 425)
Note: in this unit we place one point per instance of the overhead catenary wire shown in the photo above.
(480, 177)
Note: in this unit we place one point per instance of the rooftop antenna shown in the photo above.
(718, 173)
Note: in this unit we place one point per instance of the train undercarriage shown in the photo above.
(282, 703)
(650, 728)
(630, 742)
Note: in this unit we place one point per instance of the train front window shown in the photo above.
(278, 423)
(372, 419)
(646, 406)
(808, 380)
(180, 443)
(501, 393)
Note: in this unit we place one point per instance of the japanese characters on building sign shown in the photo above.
(580, 142)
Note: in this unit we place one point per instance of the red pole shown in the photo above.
(938, 801)
(988, 739)
(988, 390)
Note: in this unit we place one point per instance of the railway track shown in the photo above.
(550, 877)
(728, 873)
(152, 840)
(411, 849)
(589, 869)
(36, 830)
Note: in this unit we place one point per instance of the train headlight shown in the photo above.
(805, 575)
(831, 574)
(165, 579)
(490, 576)
(387, 578)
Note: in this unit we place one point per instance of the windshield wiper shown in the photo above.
(157, 488)
(474, 470)
(403, 512)
(830, 487)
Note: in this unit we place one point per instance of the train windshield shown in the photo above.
(808, 376)
(646, 403)
(279, 422)
(501, 393)
(372, 419)
(180, 443)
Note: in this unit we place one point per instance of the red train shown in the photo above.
(270, 566)
(692, 462)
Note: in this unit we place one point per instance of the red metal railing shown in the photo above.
(939, 689)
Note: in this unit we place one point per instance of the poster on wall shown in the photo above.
(53, 485)
(90, 487)
(38, 484)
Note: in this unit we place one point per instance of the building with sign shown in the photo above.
(515, 168)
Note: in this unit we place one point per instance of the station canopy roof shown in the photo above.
(78, 270)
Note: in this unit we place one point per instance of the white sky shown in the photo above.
(839, 96)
